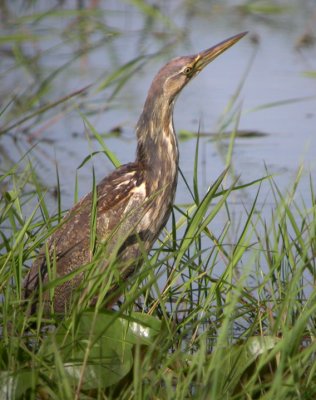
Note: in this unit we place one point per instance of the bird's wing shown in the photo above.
(70, 245)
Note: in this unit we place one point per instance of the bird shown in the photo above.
(128, 209)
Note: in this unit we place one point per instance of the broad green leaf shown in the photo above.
(99, 347)
(14, 385)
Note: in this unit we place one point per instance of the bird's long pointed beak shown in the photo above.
(206, 56)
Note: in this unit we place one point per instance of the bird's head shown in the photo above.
(178, 72)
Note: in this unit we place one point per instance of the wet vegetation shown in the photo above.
(214, 313)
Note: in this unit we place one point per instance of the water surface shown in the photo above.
(276, 74)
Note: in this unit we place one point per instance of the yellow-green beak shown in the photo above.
(206, 56)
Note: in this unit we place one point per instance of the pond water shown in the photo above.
(276, 74)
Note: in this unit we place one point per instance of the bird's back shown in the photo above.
(121, 204)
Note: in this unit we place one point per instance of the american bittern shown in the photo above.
(132, 204)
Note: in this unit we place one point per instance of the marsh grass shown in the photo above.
(203, 318)
(212, 314)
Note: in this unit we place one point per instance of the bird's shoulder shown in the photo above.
(120, 185)
(112, 195)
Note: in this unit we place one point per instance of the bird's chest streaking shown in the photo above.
(157, 152)
(162, 173)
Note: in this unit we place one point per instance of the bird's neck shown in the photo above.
(157, 148)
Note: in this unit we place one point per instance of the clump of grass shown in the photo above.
(204, 317)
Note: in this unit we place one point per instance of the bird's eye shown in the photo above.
(187, 70)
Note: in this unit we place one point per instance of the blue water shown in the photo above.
(276, 74)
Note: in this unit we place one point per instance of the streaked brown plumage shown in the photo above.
(133, 203)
